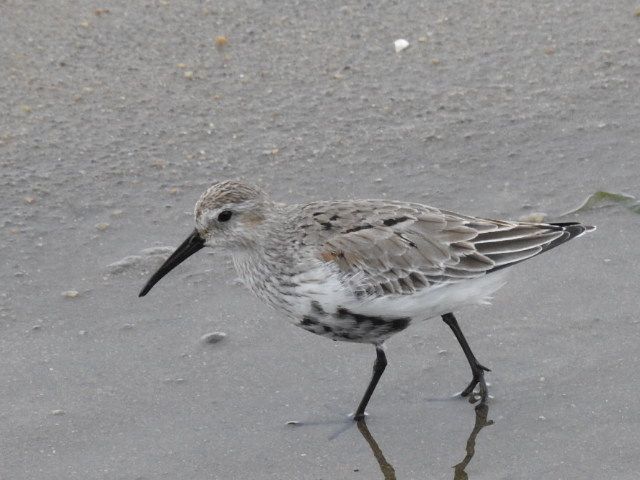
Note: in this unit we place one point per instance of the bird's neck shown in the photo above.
(256, 264)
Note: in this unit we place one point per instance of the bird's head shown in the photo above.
(229, 214)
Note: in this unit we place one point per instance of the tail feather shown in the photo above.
(569, 231)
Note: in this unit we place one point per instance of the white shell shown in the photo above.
(400, 44)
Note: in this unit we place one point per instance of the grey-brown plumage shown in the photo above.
(363, 270)
(403, 247)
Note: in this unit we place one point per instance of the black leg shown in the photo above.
(476, 368)
(378, 368)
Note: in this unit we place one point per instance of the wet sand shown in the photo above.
(116, 117)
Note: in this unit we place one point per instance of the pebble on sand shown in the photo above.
(58, 412)
(70, 294)
(173, 381)
(400, 44)
(102, 226)
(221, 41)
(213, 337)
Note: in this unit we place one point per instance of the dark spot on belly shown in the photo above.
(326, 225)
(307, 321)
(334, 218)
(343, 313)
(399, 324)
(346, 335)
(327, 329)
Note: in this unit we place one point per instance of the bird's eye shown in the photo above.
(225, 215)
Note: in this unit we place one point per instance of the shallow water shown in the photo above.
(105, 144)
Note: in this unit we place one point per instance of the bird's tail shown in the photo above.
(545, 236)
(570, 230)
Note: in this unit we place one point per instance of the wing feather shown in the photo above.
(385, 248)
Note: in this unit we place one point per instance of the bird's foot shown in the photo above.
(478, 380)
(358, 416)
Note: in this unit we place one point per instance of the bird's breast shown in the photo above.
(288, 288)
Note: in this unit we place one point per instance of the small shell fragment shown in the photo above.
(70, 294)
(400, 44)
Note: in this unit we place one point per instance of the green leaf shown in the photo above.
(602, 199)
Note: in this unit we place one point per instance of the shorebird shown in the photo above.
(364, 270)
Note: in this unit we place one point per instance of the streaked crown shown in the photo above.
(230, 211)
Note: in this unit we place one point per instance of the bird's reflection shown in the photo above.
(482, 412)
(385, 467)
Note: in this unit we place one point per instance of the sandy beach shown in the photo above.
(117, 115)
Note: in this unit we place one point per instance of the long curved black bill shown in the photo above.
(190, 246)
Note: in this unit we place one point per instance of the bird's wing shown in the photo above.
(399, 248)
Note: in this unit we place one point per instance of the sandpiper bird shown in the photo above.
(364, 270)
